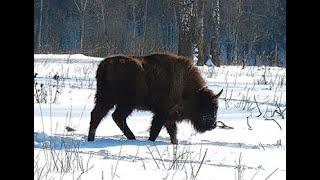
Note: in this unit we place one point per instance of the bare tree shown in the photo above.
(214, 47)
(237, 32)
(184, 13)
(231, 31)
(200, 32)
(82, 9)
(40, 24)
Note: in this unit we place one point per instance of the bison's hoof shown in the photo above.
(175, 141)
(131, 138)
(90, 138)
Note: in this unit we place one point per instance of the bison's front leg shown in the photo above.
(172, 130)
(157, 123)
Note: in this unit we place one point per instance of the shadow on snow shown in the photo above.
(80, 141)
(70, 141)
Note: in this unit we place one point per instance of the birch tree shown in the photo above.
(81, 6)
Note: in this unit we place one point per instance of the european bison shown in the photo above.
(165, 84)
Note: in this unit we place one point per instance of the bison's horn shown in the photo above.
(219, 93)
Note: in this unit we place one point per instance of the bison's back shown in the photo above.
(150, 82)
(121, 80)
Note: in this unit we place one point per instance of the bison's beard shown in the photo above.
(204, 123)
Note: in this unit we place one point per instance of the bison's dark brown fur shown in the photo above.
(168, 85)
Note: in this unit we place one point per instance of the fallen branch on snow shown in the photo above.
(275, 122)
(224, 126)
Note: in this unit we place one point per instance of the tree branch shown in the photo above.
(77, 5)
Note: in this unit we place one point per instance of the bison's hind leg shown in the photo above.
(99, 111)
(120, 116)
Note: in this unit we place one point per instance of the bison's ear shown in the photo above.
(202, 88)
(219, 93)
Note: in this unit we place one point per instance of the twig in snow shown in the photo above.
(135, 157)
(144, 166)
(102, 175)
(205, 153)
(159, 155)
(83, 110)
(115, 171)
(250, 128)
(275, 122)
(224, 126)
(272, 173)
(257, 106)
(188, 155)
(262, 146)
(176, 159)
(84, 172)
(192, 173)
(153, 158)
(280, 112)
(240, 168)
(259, 167)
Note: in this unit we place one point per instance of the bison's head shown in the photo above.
(205, 115)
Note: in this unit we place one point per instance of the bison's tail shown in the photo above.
(102, 84)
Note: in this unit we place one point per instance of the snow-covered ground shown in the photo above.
(253, 103)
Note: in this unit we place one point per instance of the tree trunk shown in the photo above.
(82, 11)
(40, 26)
(215, 50)
(236, 47)
(134, 29)
(199, 33)
(184, 24)
(82, 34)
(145, 27)
(102, 5)
(236, 34)
(276, 58)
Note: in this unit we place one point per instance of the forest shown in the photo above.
(229, 32)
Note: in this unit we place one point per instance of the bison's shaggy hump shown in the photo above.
(166, 84)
